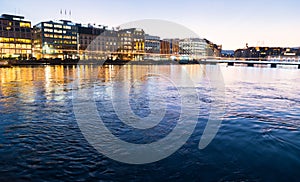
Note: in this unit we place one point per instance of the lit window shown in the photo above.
(67, 27)
(48, 35)
(57, 36)
(25, 25)
(48, 25)
(57, 26)
(67, 37)
(57, 31)
(48, 30)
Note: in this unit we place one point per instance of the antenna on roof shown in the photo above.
(60, 12)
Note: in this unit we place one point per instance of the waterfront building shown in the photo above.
(164, 47)
(131, 44)
(169, 48)
(152, 47)
(15, 37)
(194, 48)
(97, 42)
(174, 46)
(152, 44)
(290, 51)
(55, 39)
(213, 50)
(241, 53)
(264, 52)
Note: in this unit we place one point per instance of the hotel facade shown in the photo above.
(131, 44)
(97, 43)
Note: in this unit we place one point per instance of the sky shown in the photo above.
(231, 23)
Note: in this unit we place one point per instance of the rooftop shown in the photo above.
(12, 17)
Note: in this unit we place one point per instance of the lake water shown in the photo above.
(259, 139)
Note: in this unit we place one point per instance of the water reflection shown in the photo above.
(40, 140)
(24, 81)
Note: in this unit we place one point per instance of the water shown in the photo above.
(259, 139)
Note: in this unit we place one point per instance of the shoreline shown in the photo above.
(252, 63)
(93, 62)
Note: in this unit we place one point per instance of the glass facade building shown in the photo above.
(55, 39)
(15, 37)
(194, 48)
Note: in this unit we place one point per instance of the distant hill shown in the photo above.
(228, 52)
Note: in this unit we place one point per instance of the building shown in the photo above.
(165, 47)
(152, 44)
(194, 48)
(131, 44)
(97, 42)
(169, 48)
(152, 47)
(264, 52)
(174, 46)
(88, 33)
(15, 37)
(290, 52)
(213, 50)
(55, 39)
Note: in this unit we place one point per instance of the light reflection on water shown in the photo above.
(258, 140)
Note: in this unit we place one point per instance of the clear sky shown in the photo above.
(232, 23)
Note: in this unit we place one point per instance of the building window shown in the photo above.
(48, 25)
(57, 26)
(25, 25)
(57, 36)
(67, 27)
(57, 31)
(48, 30)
